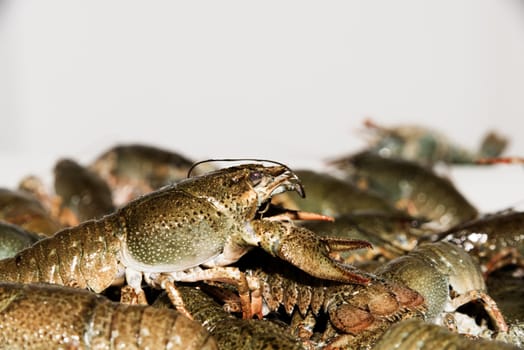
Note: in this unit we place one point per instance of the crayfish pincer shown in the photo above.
(188, 231)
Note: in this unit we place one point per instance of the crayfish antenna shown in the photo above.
(500, 160)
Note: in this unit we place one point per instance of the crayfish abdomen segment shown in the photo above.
(78, 319)
(83, 256)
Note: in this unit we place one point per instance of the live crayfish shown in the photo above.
(332, 196)
(70, 318)
(80, 194)
(426, 146)
(414, 334)
(410, 187)
(13, 239)
(496, 240)
(167, 235)
(132, 170)
(23, 209)
(86, 194)
(448, 278)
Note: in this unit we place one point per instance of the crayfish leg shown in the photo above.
(128, 295)
(489, 305)
(176, 299)
(303, 325)
(508, 256)
(231, 275)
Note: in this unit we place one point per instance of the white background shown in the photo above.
(285, 80)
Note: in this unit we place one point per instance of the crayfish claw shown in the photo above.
(309, 252)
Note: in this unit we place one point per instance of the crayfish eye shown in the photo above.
(255, 177)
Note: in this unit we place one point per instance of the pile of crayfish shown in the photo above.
(145, 248)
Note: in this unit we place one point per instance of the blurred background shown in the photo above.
(291, 81)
